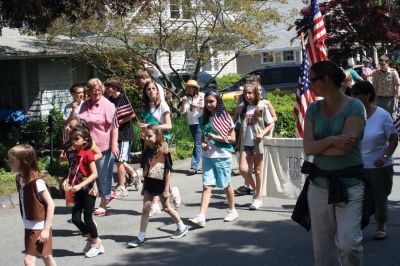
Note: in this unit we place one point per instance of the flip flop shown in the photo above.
(380, 235)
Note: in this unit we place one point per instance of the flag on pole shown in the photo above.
(314, 52)
(316, 47)
(396, 122)
(222, 121)
(304, 96)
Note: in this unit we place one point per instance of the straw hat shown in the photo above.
(192, 83)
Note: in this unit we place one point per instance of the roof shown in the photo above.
(13, 43)
(283, 40)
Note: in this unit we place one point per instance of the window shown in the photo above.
(288, 56)
(179, 9)
(212, 65)
(267, 57)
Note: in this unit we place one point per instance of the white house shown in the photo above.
(283, 49)
(36, 75)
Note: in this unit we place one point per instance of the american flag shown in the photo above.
(304, 96)
(123, 109)
(397, 121)
(316, 47)
(314, 52)
(222, 121)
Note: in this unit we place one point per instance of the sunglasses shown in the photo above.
(381, 62)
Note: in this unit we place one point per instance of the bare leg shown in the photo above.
(205, 199)
(230, 196)
(167, 208)
(49, 260)
(121, 174)
(246, 168)
(258, 160)
(29, 260)
(144, 220)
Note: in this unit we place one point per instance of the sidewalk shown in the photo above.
(264, 237)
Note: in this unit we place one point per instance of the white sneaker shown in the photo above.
(95, 250)
(232, 215)
(155, 210)
(198, 220)
(256, 204)
(120, 192)
(176, 197)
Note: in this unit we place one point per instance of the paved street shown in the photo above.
(264, 237)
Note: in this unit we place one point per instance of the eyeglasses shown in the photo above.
(381, 62)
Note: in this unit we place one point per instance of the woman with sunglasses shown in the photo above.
(334, 128)
(378, 145)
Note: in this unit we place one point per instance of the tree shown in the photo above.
(357, 25)
(38, 15)
(201, 28)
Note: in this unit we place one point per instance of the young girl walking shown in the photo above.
(257, 122)
(218, 136)
(155, 111)
(36, 205)
(157, 166)
(81, 180)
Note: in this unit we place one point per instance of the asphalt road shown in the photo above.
(263, 237)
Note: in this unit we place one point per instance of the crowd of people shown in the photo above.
(351, 139)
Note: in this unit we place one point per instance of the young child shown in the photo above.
(67, 143)
(218, 134)
(158, 164)
(156, 111)
(257, 122)
(125, 114)
(81, 180)
(36, 204)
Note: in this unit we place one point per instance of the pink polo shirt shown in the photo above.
(99, 117)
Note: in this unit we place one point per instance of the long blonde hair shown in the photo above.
(28, 163)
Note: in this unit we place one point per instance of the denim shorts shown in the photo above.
(217, 171)
(248, 148)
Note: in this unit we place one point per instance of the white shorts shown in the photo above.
(124, 148)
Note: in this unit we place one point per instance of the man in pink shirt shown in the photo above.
(99, 114)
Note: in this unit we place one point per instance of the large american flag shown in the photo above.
(222, 121)
(123, 108)
(397, 121)
(314, 52)
(304, 96)
(316, 47)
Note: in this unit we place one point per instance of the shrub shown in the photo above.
(58, 128)
(283, 103)
(285, 126)
(33, 132)
(228, 80)
(230, 106)
(3, 155)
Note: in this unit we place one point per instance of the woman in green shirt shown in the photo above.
(333, 131)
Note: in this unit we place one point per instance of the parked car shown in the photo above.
(272, 77)
(202, 79)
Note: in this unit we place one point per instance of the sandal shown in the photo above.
(380, 235)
